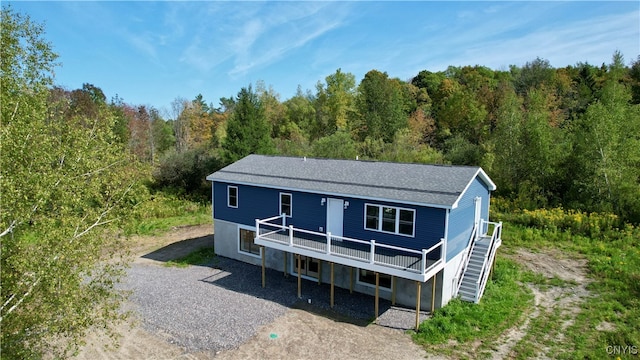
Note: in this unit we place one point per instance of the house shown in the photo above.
(380, 228)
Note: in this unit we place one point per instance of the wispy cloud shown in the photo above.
(562, 45)
(259, 34)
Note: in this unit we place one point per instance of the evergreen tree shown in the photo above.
(248, 131)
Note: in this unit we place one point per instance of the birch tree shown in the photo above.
(62, 182)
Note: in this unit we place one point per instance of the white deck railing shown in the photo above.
(365, 252)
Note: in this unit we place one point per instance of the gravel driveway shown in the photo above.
(222, 305)
(221, 311)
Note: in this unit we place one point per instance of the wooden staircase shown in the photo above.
(479, 262)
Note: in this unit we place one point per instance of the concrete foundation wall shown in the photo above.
(448, 275)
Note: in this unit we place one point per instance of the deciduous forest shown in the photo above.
(80, 172)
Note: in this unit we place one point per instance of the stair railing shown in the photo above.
(481, 283)
(465, 258)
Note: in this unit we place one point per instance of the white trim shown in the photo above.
(397, 220)
(280, 212)
(422, 277)
(483, 175)
(229, 187)
(334, 194)
(240, 251)
(373, 286)
(446, 235)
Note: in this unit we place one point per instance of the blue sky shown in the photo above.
(150, 53)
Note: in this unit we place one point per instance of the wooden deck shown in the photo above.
(397, 259)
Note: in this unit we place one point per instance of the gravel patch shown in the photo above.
(222, 305)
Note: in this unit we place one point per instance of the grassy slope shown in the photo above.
(613, 255)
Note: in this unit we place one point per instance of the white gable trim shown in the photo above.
(484, 177)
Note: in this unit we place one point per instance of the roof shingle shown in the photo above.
(438, 185)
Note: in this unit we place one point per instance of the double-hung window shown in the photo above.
(285, 204)
(390, 219)
(232, 196)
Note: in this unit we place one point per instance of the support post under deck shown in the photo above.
(418, 293)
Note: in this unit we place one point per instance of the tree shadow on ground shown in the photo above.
(180, 249)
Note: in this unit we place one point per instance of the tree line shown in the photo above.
(73, 163)
(547, 136)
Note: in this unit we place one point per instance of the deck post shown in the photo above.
(393, 290)
(433, 294)
(377, 293)
(299, 276)
(418, 294)
(351, 280)
(424, 261)
(332, 292)
(290, 235)
(284, 220)
(319, 272)
(373, 252)
(264, 274)
(328, 242)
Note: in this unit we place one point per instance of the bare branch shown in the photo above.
(19, 301)
(101, 169)
(13, 115)
(7, 302)
(9, 229)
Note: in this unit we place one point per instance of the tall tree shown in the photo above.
(248, 131)
(381, 106)
(340, 94)
(607, 150)
(62, 181)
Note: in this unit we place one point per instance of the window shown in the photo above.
(389, 219)
(369, 277)
(285, 204)
(373, 217)
(232, 196)
(247, 243)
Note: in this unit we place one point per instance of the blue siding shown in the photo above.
(309, 213)
(429, 225)
(461, 218)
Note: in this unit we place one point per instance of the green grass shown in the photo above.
(504, 302)
(612, 252)
(198, 257)
(163, 212)
(613, 262)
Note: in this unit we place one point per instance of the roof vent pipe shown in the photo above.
(357, 157)
(305, 159)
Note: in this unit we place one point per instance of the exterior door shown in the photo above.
(308, 266)
(335, 215)
(478, 213)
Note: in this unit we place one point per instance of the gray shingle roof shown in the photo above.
(437, 185)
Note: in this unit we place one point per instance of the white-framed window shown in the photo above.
(368, 278)
(286, 204)
(246, 241)
(389, 219)
(232, 196)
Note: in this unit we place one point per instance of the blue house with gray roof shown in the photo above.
(418, 235)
